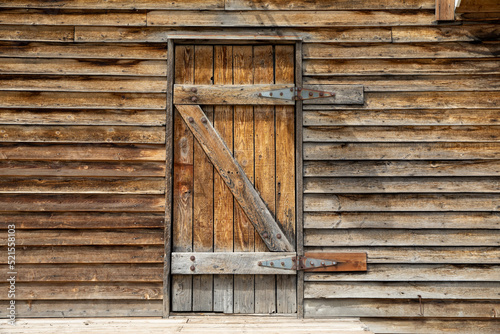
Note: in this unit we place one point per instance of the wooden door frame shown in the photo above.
(169, 129)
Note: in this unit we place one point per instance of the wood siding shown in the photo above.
(411, 176)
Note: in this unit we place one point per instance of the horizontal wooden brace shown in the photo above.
(227, 94)
(239, 263)
(243, 263)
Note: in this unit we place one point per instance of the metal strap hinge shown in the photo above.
(296, 93)
(297, 263)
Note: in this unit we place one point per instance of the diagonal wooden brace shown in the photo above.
(233, 175)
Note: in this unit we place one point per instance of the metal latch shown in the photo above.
(297, 263)
(296, 93)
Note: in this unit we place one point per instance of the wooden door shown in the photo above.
(206, 216)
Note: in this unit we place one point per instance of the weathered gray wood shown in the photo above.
(326, 5)
(227, 94)
(398, 151)
(432, 326)
(385, 237)
(402, 220)
(402, 168)
(115, 4)
(344, 94)
(400, 308)
(402, 202)
(421, 254)
(235, 178)
(401, 185)
(403, 290)
(454, 33)
(414, 272)
(238, 263)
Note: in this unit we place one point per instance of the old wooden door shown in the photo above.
(206, 216)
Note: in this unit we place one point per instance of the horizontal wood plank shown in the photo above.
(401, 168)
(128, 237)
(400, 185)
(402, 117)
(421, 254)
(81, 185)
(401, 220)
(115, 4)
(83, 117)
(454, 33)
(51, 291)
(36, 33)
(88, 273)
(415, 272)
(326, 5)
(440, 133)
(82, 152)
(81, 51)
(10, 99)
(402, 202)
(85, 202)
(81, 169)
(414, 83)
(432, 325)
(344, 94)
(81, 220)
(389, 237)
(64, 17)
(89, 254)
(403, 290)
(289, 18)
(481, 6)
(157, 34)
(228, 263)
(228, 94)
(401, 151)
(400, 308)
(400, 51)
(87, 308)
(62, 83)
(341, 67)
(82, 134)
(83, 67)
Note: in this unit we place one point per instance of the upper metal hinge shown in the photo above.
(297, 263)
(296, 93)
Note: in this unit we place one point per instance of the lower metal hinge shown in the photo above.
(297, 263)
(296, 93)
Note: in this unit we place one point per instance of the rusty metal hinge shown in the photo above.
(296, 93)
(297, 263)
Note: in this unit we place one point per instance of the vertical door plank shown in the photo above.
(244, 232)
(265, 285)
(183, 184)
(223, 203)
(285, 173)
(203, 189)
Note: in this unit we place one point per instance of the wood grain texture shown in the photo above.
(83, 67)
(319, 308)
(81, 152)
(430, 325)
(90, 50)
(337, 5)
(402, 168)
(64, 17)
(115, 4)
(37, 33)
(460, 33)
(183, 184)
(240, 263)
(82, 220)
(445, 10)
(289, 18)
(406, 220)
(402, 202)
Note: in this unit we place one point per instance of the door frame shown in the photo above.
(169, 128)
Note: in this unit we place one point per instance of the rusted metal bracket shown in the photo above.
(296, 93)
(297, 263)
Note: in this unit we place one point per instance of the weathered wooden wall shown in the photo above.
(410, 177)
